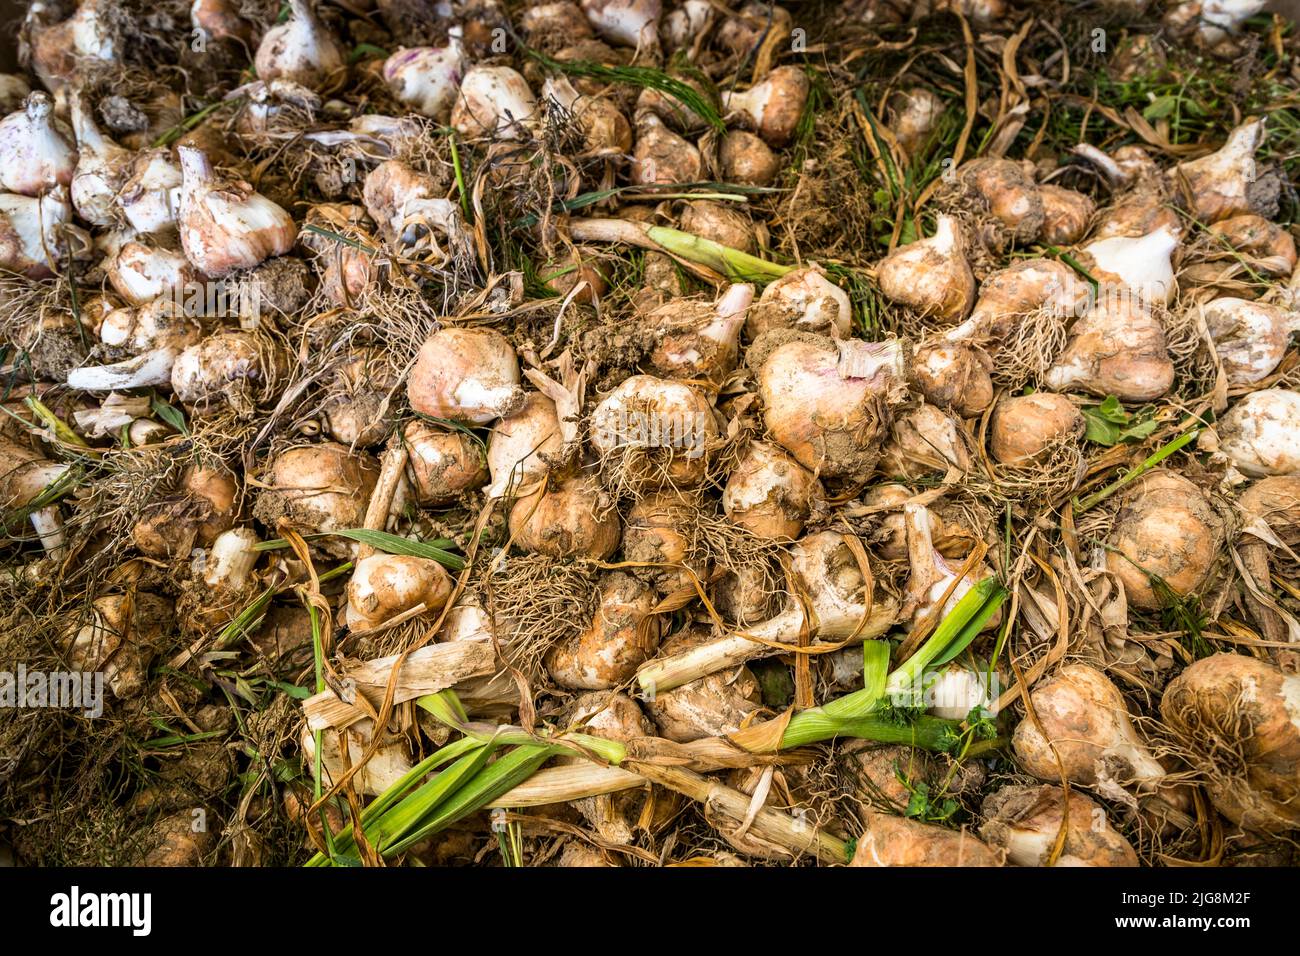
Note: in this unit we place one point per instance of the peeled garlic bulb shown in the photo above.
(931, 275)
(226, 226)
(102, 166)
(827, 402)
(803, 299)
(1117, 349)
(1261, 433)
(31, 232)
(34, 155)
(1250, 337)
(1219, 184)
(467, 375)
(301, 49)
(774, 106)
(385, 585)
(494, 101)
(427, 79)
(1141, 267)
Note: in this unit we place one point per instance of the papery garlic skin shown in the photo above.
(141, 273)
(151, 195)
(427, 79)
(225, 226)
(931, 275)
(405, 204)
(1141, 267)
(1261, 433)
(31, 232)
(301, 49)
(1251, 338)
(34, 155)
(101, 168)
(466, 375)
(494, 101)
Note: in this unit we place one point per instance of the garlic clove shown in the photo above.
(34, 155)
(151, 194)
(1116, 349)
(301, 49)
(931, 275)
(31, 232)
(1219, 185)
(774, 106)
(101, 168)
(1261, 433)
(225, 225)
(427, 79)
(494, 102)
(1251, 338)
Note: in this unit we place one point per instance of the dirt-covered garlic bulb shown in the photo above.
(302, 49)
(1261, 433)
(142, 272)
(802, 299)
(954, 375)
(318, 488)
(467, 375)
(654, 433)
(1025, 822)
(916, 111)
(383, 586)
(1219, 185)
(697, 340)
(360, 405)
(747, 160)
(520, 443)
(1250, 337)
(932, 576)
(897, 841)
(827, 402)
(924, 440)
(1026, 291)
(574, 517)
(773, 107)
(205, 506)
(1067, 214)
(711, 706)
(427, 79)
(1116, 349)
(1085, 722)
(442, 465)
(31, 232)
(769, 493)
(87, 38)
(931, 275)
(1165, 527)
(225, 225)
(661, 156)
(1270, 247)
(1023, 427)
(119, 637)
(620, 638)
(606, 131)
(101, 168)
(228, 368)
(1239, 719)
(659, 535)
(35, 156)
(151, 195)
(494, 102)
(1012, 195)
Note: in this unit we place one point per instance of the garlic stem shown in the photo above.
(153, 368)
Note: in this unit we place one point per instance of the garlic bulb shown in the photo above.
(924, 441)
(561, 22)
(359, 407)
(222, 370)
(34, 155)
(720, 223)
(467, 375)
(1066, 215)
(1116, 349)
(606, 131)
(141, 273)
(1141, 267)
(1012, 296)
(1086, 729)
(1261, 433)
(151, 194)
(574, 518)
(442, 465)
(496, 102)
(406, 205)
(747, 160)
(699, 341)
(220, 20)
(931, 575)
(955, 376)
(57, 50)
(385, 585)
(633, 23)
(827, 402)
(1165, 527)
(1219, 185)
(931, 275)
(318, 488)
(520, 442)
(802, 299)
(661, 156)
(915, 113)
(226, 226)
(1011, 194)
(655, 432)
(31, 232)
(1270, 247)
(773, 107)
(1024, 426)
(621, 636)
(769, 493)
(427, 79)
(1026, 823)
(1250, 337)
(658, 535)
(301, 49)
(24, 475)
(101, 167)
